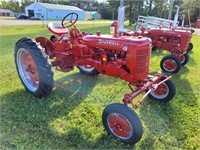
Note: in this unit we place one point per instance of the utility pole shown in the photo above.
(170, 9)
(121, 12)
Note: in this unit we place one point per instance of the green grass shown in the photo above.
(70, 117)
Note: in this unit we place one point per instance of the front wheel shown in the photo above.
(190, 47)
(184, 58)
(164, 92)
(153, 48)
(170, 64)
(88, 70)
(123, 123)
(33, 67)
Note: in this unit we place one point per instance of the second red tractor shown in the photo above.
(174, 40)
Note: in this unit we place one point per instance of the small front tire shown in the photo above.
(170, 64)
(164, 92)
(184, 58)
(88, 70)
(190, 47)
(123, 123)
(153, 48)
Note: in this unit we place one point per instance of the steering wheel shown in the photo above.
(71, 22)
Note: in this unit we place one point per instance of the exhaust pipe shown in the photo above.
(121, 12)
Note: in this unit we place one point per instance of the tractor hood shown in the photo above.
(116, 43)
(169, 32)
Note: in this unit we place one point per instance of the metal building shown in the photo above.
(6, 12)
(48, 11)
(92, 15)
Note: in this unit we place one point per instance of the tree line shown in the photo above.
(109, 8)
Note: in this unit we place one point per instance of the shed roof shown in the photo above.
(5, 11)
(57, 6)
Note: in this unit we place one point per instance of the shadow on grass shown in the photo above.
(53, 122)
(170, 124)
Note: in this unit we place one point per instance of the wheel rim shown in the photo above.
(119, 125)
(182, 59)
(161, 92)
(87, 68)
(170, 65)
(27, 69)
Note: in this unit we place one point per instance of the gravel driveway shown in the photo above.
(10, 22)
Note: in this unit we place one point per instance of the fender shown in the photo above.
(47, 45)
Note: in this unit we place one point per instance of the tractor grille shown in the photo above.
(186, 42)
(142, 59)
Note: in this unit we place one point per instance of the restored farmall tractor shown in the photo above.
(121, 57)
(175, 40)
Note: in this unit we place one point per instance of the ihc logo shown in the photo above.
(108, 42)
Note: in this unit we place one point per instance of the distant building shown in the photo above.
(6, 12)
(48, 11)
(92, 15)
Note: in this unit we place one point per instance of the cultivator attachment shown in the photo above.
(155, 86)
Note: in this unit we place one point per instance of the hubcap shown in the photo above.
(161, 92)
(27, 69)
(119, 125)
(170, 65)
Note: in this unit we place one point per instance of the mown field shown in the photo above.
(70, 117)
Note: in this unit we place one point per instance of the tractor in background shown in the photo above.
(165, 35)
(172, 40)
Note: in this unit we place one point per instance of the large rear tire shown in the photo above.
(33, 67)
(123, 123)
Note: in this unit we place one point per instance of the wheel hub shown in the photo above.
(30, 67)
(170, 65)
(27, 69)
(161, 90)
(119, 125)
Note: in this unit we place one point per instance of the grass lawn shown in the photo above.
(70, 117)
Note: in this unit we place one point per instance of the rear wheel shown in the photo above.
(164, 92)
(88, 70)
(170, 64)
(33, 68)
(123, 123)
(190, 47)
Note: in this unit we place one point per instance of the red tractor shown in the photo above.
(175, 41)
(116, 56)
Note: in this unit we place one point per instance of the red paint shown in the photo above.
(170, 64)
(119, 125)
(175, 41)
(124, 57)
(30, 67)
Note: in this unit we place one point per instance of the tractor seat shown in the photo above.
(57, 28)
